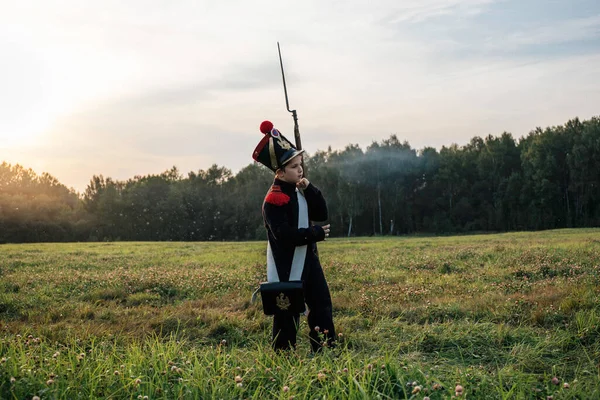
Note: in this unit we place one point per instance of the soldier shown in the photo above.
(289, 206)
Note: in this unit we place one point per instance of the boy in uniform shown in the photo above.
(289, 206)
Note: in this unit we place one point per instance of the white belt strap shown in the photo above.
(299, 252)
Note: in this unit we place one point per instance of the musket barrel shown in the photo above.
(296, 131)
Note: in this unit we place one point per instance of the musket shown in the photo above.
(287, 104)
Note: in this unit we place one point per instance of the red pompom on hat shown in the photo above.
(266, 127)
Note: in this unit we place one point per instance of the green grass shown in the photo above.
(500, 315)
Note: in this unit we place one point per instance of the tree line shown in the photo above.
(545, 180)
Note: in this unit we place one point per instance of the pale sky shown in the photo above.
(125, 88)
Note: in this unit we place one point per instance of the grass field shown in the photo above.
(504, 316)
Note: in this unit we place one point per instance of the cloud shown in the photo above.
(419, 11)
(453, 31)
(557, 32)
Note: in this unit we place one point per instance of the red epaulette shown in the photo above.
(276, 196)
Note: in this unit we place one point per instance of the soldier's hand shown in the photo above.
(326, 229)
(303, 183)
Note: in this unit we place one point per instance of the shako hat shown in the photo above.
(274, 150)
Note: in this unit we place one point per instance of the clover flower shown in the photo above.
(458, 390)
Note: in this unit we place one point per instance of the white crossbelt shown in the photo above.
(299, 252)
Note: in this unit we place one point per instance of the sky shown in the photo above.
(124, 88)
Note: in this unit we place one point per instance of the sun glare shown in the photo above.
(24, 133)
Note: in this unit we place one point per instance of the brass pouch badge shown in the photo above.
(278, 297)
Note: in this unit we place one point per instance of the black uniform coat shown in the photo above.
(280, 213)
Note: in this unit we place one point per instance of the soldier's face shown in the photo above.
(292, 172)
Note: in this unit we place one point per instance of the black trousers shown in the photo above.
(320, 317)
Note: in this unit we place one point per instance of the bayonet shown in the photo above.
(287, 104)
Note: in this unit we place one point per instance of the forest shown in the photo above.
(547, 179)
